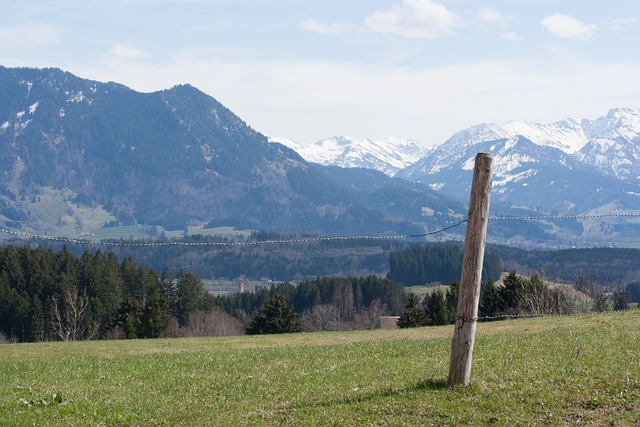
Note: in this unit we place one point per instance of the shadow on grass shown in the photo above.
(431, 385)
(425, 385)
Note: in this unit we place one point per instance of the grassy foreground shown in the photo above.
(547, 371)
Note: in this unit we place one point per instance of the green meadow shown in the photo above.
(582, 370)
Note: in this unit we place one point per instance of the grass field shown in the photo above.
(422, 290)
(547, 371)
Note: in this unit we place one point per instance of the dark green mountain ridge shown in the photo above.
(77, 155)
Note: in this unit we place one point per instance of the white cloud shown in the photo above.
(310, 100)
(313, 26)
(28, 36)
(568, 27)
(125, 51)
(620, 25)
(491, 17)
(421, 19)
(511, 36)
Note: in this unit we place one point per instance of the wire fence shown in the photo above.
(68, 240)
(350, 238)
(248, 243)
(534, 315)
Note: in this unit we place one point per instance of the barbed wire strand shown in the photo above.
(596, 216)
(344, 238)
(534, 315)
(305, 240)
(254, 243)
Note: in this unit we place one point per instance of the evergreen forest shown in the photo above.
(436, 263)
(49, 296)
(327, 303)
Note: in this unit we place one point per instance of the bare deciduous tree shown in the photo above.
(322, 317)
(216, 323)
(370, 318)
(327, 317)
(71, 317)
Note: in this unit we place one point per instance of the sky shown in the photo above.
(313, 69)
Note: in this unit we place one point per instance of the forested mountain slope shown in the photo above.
(77, 154)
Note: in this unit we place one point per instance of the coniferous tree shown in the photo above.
(489, 302)
(275, 317)
(452, 301)
(633, 292)
(131, 277)
(509, 293)
(414, 315)
(169, 289)
(190, 295)
(37, 331)
(129, 319)
(343, 300)
(436, 308)
(105, 287)
(155, 316)
(620, 300)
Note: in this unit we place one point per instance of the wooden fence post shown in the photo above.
(471, 280)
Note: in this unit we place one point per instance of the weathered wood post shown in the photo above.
(470, 282)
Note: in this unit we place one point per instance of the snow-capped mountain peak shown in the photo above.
(570, 166)
(619, 122)
(566, 135)
(610, 144)
(388, 155)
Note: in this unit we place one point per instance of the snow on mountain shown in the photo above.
(617, 157)
(388, 155)
(610, 143)
(567, 135)
(571, 166)
(567, 166)
(614, 146)
(618, 123)
(287, 143)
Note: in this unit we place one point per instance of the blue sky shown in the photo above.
(310, 69)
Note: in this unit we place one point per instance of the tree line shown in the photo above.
(47, 295)
(518, 295)
(405, 263)
(281, 262)
(436, 262)
(615, 266)
(325, 303)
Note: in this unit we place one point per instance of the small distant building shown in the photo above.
(389, 322)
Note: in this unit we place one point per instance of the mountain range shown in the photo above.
(84, 157)
(389, 155)
(570, 167)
